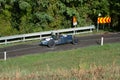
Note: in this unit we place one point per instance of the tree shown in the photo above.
(25, 16)
(115, 14)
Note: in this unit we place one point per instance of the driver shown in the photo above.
(55, 35)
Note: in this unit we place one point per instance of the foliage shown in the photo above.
(115, 14)
(38, 15)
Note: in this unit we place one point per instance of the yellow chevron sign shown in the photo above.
(104, 20)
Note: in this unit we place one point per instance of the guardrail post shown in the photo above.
(5, 54)
(5, 41)
(90, 30)
(23, 38)
(102, 41)
(40, 37)
(74, 32)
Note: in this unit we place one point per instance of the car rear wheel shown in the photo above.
(75, 41)
(51, 43)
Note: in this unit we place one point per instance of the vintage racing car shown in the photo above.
(57, 39)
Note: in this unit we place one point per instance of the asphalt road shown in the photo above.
(34, 48)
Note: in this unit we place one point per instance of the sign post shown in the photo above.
(98, 20)
(98, 23)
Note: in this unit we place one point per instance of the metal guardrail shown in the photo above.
(40, 35)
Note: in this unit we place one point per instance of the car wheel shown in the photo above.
(75, 41)
(51, 43)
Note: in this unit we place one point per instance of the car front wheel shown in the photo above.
(51, 43)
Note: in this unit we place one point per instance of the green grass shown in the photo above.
(19, 43)
(65, 64)
(84, 57)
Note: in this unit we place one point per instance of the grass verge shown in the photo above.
(19, 43)
(91, 63)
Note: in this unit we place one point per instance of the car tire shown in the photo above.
(51, 43)
(75, 41)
